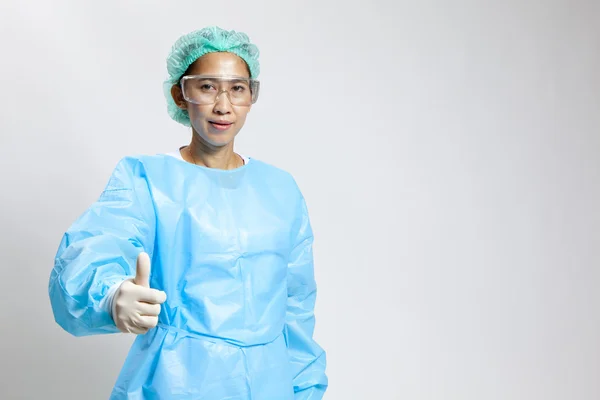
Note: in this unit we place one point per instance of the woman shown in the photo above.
(205, 254)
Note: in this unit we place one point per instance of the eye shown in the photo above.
(206, 87)
(239, 88)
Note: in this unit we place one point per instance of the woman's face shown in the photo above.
(205, 118)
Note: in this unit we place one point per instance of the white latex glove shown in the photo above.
(136, 306)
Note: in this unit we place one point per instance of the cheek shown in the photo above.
(241, 113)
(195, 111)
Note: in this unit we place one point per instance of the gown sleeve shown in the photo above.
(100, 249)
(307, 358)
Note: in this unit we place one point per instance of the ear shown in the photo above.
(177, 95)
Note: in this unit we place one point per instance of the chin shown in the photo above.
(215, 140)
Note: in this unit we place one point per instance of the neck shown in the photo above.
(200, 153)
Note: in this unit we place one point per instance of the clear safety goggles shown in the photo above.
(205, 89)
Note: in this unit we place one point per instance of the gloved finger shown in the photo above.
(146, 322)
(136, 324)
(148, 309)
(151, 296)
(142, 273)
(130, 327)
(138, 330)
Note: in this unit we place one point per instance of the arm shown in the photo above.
(307, 358)
(99, 251)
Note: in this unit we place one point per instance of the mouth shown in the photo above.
(221, 125)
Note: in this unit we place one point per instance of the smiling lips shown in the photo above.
(221, 125)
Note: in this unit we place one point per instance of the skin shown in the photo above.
(210, 147)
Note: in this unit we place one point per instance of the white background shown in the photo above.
(448, 151)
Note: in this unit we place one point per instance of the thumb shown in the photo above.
(142, 272)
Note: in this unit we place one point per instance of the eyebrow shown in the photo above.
(232, 81)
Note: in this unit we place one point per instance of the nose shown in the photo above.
(222, 103)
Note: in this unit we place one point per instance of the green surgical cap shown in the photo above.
(194, 45)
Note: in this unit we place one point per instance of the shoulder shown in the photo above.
(132, 170)
(138, 164)
(274, 175)
(135, 160)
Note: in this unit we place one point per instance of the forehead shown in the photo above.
(219, 63)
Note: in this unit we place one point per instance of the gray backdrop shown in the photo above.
(448, 152)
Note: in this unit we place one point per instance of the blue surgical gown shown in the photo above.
(232, 249)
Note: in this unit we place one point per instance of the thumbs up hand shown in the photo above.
(136, 306)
